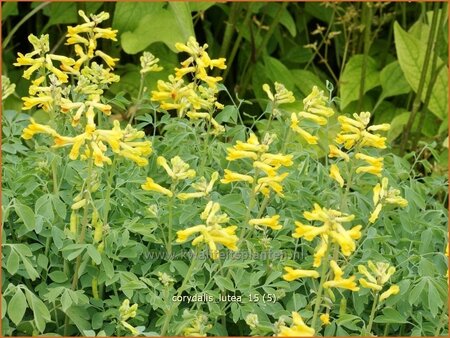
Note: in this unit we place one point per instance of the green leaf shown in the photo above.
(285, 17)
(94, 254)
(397, 124)
(26, 214)
(12, 264)
(224, 283)
(62, 12)
(9, 9)
(79, 316)
(107, 266)
(411, 56)
(305, 80)
(228, 113)
(40, 311)
(59, 206)
(169, 25)
(393, 81)
(58, 276)
(127, 15)
(350, 80)
(17, 306)
(392, 316)
(435, 301)
(66, 300)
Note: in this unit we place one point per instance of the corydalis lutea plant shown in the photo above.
(74, 92)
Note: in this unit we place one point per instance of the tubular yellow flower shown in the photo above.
(374, 215)
(320, 251)
(393, 290)
(310, 139)
(297, 329)
(150, 185)
(338, 281)
(308, 232)
(268, 169)
(282, 95)
(277, 160)
(369, 285)
(271, 222)
(336, 175)
(234, 154)
(336, 152)
(375, 166)
(231, 176)
(183, 235)
(190, 195)
(36, 128)
(293, 274)
(320, 120)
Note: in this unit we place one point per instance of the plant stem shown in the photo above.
(372, 313)
(367, 15)
(169, 314)
(423, 78)
(323, 275)
(434, 74)
(170, 224)
(84, 223)
(21, 22)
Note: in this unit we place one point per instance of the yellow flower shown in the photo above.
(310, 139)
(374, 215)
(212, 232)
(369, 285)
(297, 329)
(336, 175)
(271, 222)
(231, 176)
(268, 169)
(277, 160)
(190, 195)
(375, 166)
(150, 185)
(149, 63)
(320, 120)
(293, 274)
(325, 318)
(393, 290)
(315, 103)
(308, 232)
(320, 251)
(338, 281)
(180, 169)
(282, 95)
(131, 328)
(203, 188)
(36, 128)
(234, 154)
(336, 152)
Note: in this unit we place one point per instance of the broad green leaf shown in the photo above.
(169, 25)
(393, 81)
(17, 306)
(127, 15)
(66, 300)
(285, 17)
(228, 113)
(12, 264)
(350, 80)
(26, 214)
(416, 291)
(305, 80)
(8, 9)
(397, 124)
(411, 56)
(79, 316)
(59, 206)
(435, 301)
(197, 6)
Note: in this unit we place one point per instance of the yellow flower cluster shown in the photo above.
(126, 312)
(123, 142)
(382, 196)
(212, 231)
(149, 63)
(297, 329)
(332, 229)
(282, 95)
(198, 98)
(263, 162)
(315, 110)
(338, 281)
(198, 326)
(84, 38)
(180, 170)
(356, 134)
(381, 273)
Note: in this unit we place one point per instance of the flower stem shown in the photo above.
(170, 313)
(372, 314)
(323, 275)
(170, 224)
